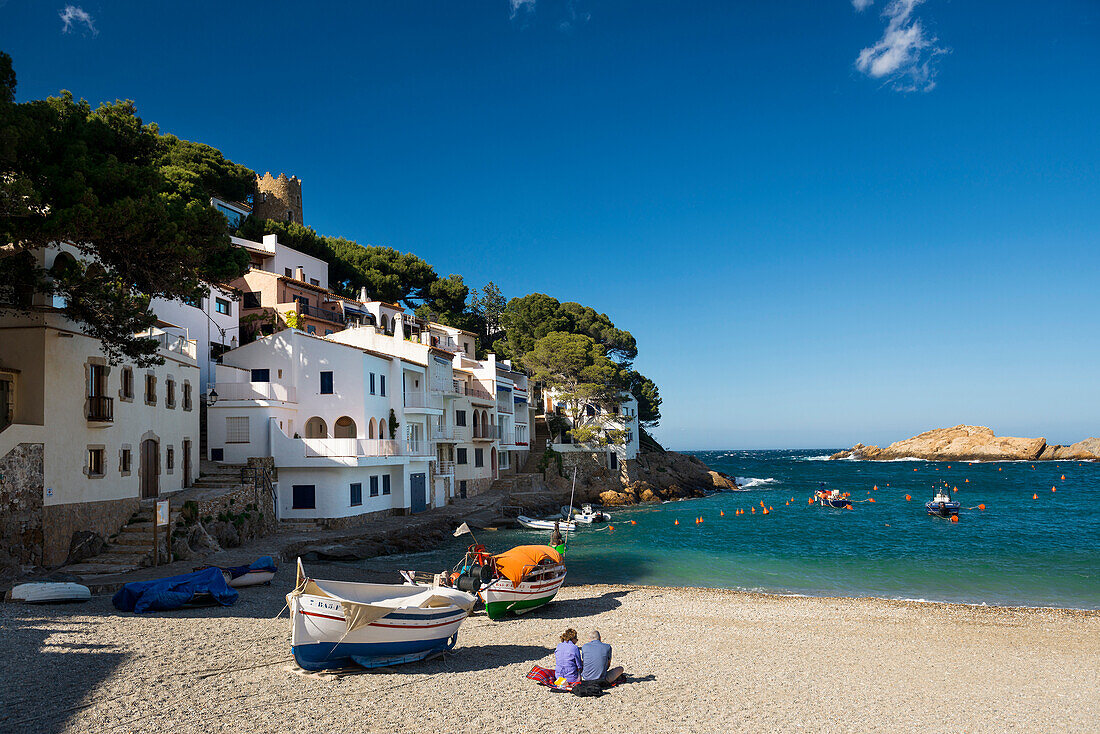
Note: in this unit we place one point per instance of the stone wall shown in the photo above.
(475, 487)
(21, 491)
(275, 196)
(60, 522)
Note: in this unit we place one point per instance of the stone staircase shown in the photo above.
(131, 548)
(538, 446)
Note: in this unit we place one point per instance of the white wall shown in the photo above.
(195, 324)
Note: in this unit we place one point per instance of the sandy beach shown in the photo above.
(699, 661)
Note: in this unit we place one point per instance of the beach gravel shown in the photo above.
(699, 661)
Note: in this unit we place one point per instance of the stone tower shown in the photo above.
(278, 198)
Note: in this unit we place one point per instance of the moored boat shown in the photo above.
(586, 514)
(335, 624)
(527, 577)
(532, 524)
(943, 503)
(832, 498)
(50, 592)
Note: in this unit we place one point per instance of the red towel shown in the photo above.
(542, 676)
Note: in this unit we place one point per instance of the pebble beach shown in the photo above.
(698, 660)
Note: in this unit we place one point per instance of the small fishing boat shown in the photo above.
(50, 592)
(514, 582)
(532, 524)
(335, 624)
(832, 498)
(586, 514)
(943, 504)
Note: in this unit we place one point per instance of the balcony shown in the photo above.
(256, 391)
(353, 447)
(505, 406)
(478, 394)
(320, 313)
(445, 343)
(420, 400)
(444, 468)
(416, 447)
(486, 433)
(462, 434)
(521, 437)
(101, 409)
(174, 344)
(443, 433)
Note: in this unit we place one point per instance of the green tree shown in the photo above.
(7, 79)
(488, 306)
(530, 318)
(95, 178)
(648, 396)
(620, 344)
(577, 369)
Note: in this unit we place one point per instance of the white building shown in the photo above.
(622, 418)
(213, 324)
(83, 442)
(327, 412)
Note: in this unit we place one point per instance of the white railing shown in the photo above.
(419, 448)
(505, 406)
(173, 343)
(443, 433)
(420, 399)
(351, 447)
(521, 437)
(445, 468)
(256, 391)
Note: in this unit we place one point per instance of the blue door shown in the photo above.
(419, 486)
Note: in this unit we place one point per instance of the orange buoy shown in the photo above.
(998, 468)
(770, 508)
(888, 484)
(948, 466)
(788, 504)
(981, 507)
(721, 513)
(871, 499)
(1034, 496)
(676, 523)
(611, 528)
(1032, 466)
(847, 507)
(914, 470)
(765, 510)
(754, 510)
(633, 522)
(1063, 477)
(809, 500)
(907, 498)
(954, 518)
(1053, 489)
(874, 488)
(966, 480)
(955, 489)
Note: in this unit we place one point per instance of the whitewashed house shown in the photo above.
(347, 426)
(619, 419)
(82, 442)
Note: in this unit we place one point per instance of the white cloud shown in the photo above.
(76, 14)
(861, 5)
(905, 55)
(517, 5)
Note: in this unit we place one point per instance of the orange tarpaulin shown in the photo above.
(518, 562)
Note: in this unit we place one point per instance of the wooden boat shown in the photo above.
(50, 592)
(335, 624)
(943, 504)
(513, 582)
(532, 524)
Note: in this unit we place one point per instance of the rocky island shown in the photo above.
(973, 443)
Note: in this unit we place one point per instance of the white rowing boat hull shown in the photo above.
(49, 592)
(532, 524)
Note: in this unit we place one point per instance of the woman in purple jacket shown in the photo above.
(567, 657)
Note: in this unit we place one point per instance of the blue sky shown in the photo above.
(823, 224)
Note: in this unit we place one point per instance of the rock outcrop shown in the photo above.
(972, 443)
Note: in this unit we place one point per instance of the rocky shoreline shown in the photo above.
(973, 443)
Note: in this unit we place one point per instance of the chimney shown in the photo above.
(300, 273)
(363, 294)
(507, 364)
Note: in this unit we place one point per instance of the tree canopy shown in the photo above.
(125, 198)
(648, 396)
(530, 318)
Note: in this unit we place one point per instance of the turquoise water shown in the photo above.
(1019, 551)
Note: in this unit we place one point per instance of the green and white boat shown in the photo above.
(526, 577)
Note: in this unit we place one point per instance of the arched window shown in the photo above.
(316, 428)
(343, 428)
(371, 429)
(381, 428)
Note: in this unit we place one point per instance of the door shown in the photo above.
(419, 492)
(186, 464)
(150, 468)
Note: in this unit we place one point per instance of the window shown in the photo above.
(356, 494)
(382, 385)
(250, 299)
(261, 375)
(302, 301)
(385, 484)
(326, 383)
(289, 272)
(127, 391)
(221, 306)
(460, 417)
(310, 329)
(187, 396)
(304, 497)
(97, 380)
(314, 281)
(372, 383)
(170, 459)
(125, 459)
(462, 456)
(170, 392)
(374, 486)
(95, 462)
(479, 457)
(150, 390)
(236, 430)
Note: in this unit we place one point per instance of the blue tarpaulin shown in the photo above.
(263, 563)
(173, 592)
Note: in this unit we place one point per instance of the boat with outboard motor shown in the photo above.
(334, 624)
(532, 524)
(943, 503)
(513, 582)
(832, 498)
(585, 515)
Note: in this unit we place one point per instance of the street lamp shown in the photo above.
(212, 397)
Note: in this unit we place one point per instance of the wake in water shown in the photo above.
(751, 482)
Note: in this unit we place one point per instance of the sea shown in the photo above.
(1036, 543)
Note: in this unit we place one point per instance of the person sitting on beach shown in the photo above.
(597, 659)
(567, 657)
